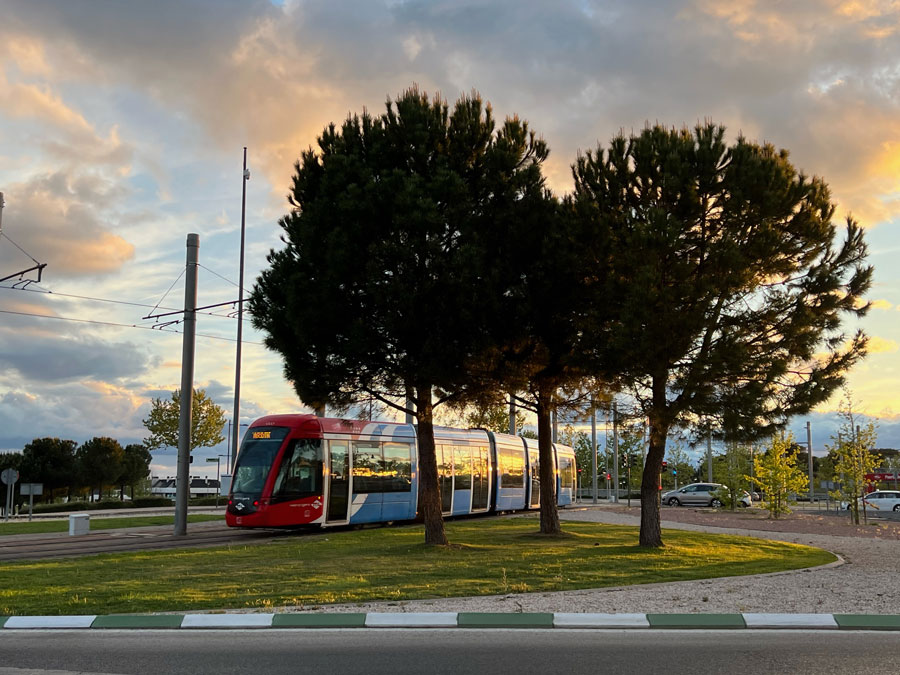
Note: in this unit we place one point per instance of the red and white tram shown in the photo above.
(307, 470)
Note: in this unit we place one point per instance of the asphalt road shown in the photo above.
(437, 652)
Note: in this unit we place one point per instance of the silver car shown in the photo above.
(700, 494)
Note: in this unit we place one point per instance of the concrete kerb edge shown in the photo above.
(479, 620)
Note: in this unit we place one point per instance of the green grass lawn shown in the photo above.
(49, 526)
(488, 556)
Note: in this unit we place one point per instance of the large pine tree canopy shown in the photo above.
(725, 285)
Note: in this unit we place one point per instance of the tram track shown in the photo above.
(42, 547)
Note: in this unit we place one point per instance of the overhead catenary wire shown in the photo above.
(123, 325)
(44, 291)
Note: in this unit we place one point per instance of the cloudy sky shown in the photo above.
(122, 126)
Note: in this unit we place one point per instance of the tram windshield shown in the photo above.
(255, 459)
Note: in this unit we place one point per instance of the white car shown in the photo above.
(880, 500)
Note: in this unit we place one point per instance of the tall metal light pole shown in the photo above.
(809, 450)
(615, 412)
(593, 452)
(182, 476)
(240, 316)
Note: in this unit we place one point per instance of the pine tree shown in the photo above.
(392, 266)
(724, 284)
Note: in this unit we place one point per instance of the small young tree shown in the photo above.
(731, 471)
(207, 422)
(852, 457)
(679, 467)
(776, 473)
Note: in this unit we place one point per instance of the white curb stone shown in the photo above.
(575, 620)
(227, 621)
(790, 621)
(411, 620)
(81, 621)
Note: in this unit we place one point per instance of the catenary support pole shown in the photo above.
(593, 452)
(512, 414)
(809, 451)
(616, 451)
(182, 476)
(236, 418)
(709, 458)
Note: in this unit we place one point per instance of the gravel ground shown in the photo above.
(865, 581)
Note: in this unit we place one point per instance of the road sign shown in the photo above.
(9, 477)
(31, 488)
(214, 460)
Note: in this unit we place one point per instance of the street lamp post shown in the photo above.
(217, 460)
(229, 457)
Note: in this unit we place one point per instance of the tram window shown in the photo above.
(462, 461)
(255, 459)
(368, 467)
(300, 474)
(512, 468)
(397, 468)
(566, 472)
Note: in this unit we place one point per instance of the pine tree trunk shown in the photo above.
(429, 490)
(651, 533)
(549, 513)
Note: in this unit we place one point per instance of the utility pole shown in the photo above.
(240, 316)
(593, 452)
(616, 450)
(512, 414)
(554, 424)
(809, 448)
(709, 457)
(182, 476)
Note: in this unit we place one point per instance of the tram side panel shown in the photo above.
(510, 462)
(464, 470)
(382, 484)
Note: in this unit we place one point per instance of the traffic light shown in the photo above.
(665, 466)
(608, 476)
(674, 471)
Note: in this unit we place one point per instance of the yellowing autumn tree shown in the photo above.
(778, 475)
(852, 456)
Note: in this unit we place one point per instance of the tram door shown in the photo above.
(338, 482)
(444, 456)
(534, 462)
(480, 479)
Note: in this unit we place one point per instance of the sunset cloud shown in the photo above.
(122, 127)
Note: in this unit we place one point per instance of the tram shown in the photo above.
(306, 470)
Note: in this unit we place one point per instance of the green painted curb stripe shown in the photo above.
(138, 621)
(696, 621)
(353, 620)
(504, 620)
(868, 621)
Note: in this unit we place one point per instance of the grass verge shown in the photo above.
(488, 557)
(50, 526)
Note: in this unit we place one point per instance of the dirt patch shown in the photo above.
(835, 524)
